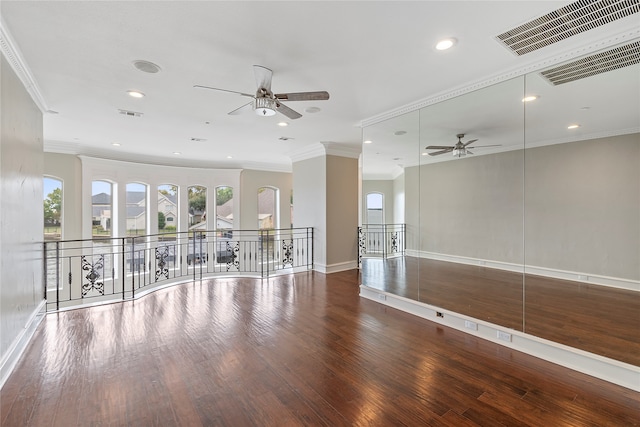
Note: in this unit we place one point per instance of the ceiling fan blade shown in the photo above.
(240, 110)
(469, 142)
(223, 90)
(263, 77)
(468, 152)
(281, 108)
(437, 153)
(303, 96)
(482, 146)
(439, 147)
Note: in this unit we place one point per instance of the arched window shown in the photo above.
(267, 208)
(375, 208)
(167, 208)
(136, 209)
(224, 207)
(52, 197)
(101, 208)
(197, 209)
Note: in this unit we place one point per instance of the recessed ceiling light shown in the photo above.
(283, 124)
(574, 126)
(115, 144)
(135, 93)
(146, 66)
(177, 153)
(530, 98)
(229, 157)
(367, 142)
(425, 154)
(445, 44)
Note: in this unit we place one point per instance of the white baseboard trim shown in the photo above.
(335, 268)
(13, 354)
(610, 370)
(614, 282)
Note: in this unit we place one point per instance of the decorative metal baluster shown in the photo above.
(235, 258)
(394, 242)
(93, 276)
(362, 245)
(161, 255)
(287, 248)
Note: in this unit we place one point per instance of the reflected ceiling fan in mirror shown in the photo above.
(265, 102)
(459, 150)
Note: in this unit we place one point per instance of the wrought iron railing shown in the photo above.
(381, 240)
(100, 270)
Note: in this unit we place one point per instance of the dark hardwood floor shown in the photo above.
(297, 350)
(598, 319)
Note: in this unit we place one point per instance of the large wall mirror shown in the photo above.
(535, 225)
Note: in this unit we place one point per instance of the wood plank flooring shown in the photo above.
(296, 350)
(598, 319)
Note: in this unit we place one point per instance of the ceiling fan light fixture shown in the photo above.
(459, 152)
(265, 107)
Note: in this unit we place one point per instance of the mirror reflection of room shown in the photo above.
(521, 205)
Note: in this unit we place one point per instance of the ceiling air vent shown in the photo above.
(566, 22)
(591, 65)
(130, 113)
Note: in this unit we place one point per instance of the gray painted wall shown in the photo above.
(582, 204)
(572, 207)
(21, 213)
(473, 207)
(309, 202)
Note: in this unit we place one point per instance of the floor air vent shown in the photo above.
(565, 22)
(591, 65)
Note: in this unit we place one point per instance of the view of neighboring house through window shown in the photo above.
(52, 196)
(167, 209)
(197, 196)
(101, 208)
(136, 209)
(267, 208)
(375, 212)
(224, 208)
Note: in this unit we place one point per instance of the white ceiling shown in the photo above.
(372, 57)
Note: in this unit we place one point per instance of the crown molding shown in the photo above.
(14, 57)
(61, 147)
(342, 150)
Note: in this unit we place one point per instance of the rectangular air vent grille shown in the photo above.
(130, 113)
(565, 22)
(591, 65)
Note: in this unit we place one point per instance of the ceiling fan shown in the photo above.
(265, 102)
(458, 150)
